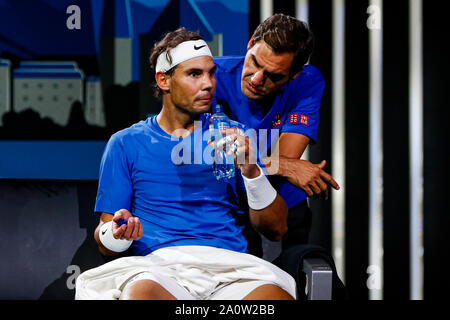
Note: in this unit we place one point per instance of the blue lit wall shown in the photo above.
(33, 30)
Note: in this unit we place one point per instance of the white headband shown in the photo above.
(184, 51)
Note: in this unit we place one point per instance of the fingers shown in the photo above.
(325, 194)
(319, 185)
(236, 143)
(133, 229)
(233, 143)
(226, 141)
(323, 188)
(121, 214)
(315, 187)
(223, 143)
(140, 232)
(234, 148)
(229, 135)
(308, 191)
(137, 229)
(239, 146)
(233, 134)
(329, 179)
(243, 151)
(325, 177)
(229, 131)
(119, 231)
(317, 180)
(129, 229)
(322, 164)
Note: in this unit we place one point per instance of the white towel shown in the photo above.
(199, 269)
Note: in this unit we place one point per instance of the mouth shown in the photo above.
(206, 99)
(253, 90)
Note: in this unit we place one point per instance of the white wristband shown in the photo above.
(260, 193)
(111, 243)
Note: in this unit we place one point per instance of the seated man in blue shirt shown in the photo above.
(184, 225)
(272, 87)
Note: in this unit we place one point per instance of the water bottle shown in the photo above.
(223, 165)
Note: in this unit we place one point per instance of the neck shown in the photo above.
(265, 103)
(175, 122)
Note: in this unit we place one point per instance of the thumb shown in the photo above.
(322, 164)
(116, 217)
(121, 214)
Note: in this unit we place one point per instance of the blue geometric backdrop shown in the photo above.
(36, 30)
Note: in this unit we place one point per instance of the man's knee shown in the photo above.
(145, 290)
(268, 292)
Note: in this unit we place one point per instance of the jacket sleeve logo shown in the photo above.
(304, 119)
(298, 118)
(277, 120)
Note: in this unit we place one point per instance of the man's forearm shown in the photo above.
(269, 218)
(250, 171)
(278, 166)
(303, 174)
(271, 221)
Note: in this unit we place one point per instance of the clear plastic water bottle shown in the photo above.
(223, 165)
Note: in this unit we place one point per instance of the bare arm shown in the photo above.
(271, 221)
(285, 162)
(292, 145)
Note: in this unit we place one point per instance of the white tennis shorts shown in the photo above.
(187, 272)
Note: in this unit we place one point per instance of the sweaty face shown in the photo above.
(192, 85)
(264, 71)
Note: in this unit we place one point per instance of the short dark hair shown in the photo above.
(284, 33)
(168, 42)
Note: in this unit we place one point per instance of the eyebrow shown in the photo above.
(255, 61)
(213, 69)
(267, 73)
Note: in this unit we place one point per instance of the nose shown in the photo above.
(257, 79)
(207, 82)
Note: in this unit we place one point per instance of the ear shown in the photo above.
(162, 80)
(249, 44)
